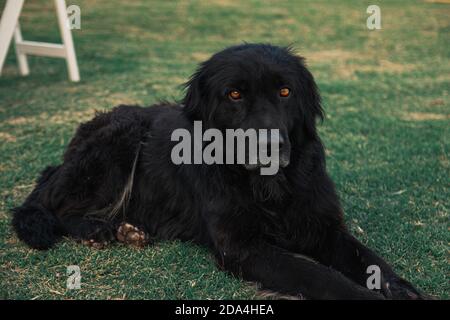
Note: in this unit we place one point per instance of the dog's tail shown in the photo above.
(33, 223)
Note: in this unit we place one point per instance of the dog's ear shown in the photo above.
(309, 100)
(194, 98)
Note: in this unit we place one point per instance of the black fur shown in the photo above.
(284, 231)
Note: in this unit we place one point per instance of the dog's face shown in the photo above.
(256, 86)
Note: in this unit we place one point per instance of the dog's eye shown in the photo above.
(235, 95)
(285, 92)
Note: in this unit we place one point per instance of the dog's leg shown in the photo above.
(98, 233)
(92, 232)
(352, 258)
(282, 271)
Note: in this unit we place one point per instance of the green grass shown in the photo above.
(387, 129)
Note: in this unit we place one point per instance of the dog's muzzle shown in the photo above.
(270, 153)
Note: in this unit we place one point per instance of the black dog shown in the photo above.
(284, 231)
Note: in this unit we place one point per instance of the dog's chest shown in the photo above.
(291, 229)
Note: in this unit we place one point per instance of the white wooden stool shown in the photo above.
(9, 26)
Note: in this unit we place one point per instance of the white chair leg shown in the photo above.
(66, 36)
(8, 23)
(21, 57)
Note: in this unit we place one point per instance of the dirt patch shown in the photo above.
(224, 3)
(7, 137)
(18, 192)
(336, 55)
(70, 116)
(438, 1)
(383, 66)
(346, 63)
(389, 66)
(18, 121)
(57, 118)
(120, 98)
(422, 116)
(200, 56)
(436, 102)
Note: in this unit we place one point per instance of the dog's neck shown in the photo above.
(269, 188)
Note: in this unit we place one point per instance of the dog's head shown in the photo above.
(256, 86)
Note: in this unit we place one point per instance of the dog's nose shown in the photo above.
(272, 138)
(280, 141)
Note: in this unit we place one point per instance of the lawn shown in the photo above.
(387, 130)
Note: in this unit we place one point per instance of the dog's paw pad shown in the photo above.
(129, 234)
(94, 244)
